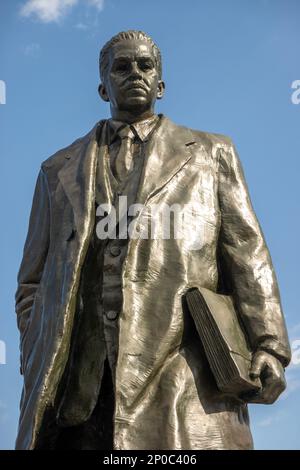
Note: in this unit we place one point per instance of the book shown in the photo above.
(224, 342)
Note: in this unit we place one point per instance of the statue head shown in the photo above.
(131, 75)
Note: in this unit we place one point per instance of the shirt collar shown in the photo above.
(141, 128)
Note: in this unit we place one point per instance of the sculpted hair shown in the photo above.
(123, 36)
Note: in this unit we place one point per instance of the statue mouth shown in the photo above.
(136, 86)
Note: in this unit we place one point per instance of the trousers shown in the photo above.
(95, 434)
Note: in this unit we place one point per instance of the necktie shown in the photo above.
(124, 159)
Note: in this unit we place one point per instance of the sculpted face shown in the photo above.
(132, 82)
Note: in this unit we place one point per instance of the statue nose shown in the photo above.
(135, 71)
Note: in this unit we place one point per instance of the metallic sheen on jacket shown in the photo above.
(166, 397)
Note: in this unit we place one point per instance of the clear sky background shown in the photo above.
(228, 66)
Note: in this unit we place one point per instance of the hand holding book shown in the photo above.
(269, 370)
(255, 377)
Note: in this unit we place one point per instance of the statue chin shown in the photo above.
(136, 105)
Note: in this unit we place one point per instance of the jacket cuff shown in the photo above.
(281, 352)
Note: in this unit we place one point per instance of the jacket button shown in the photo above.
(111, 314)
(115, 250)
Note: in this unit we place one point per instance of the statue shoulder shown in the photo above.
(58, 159)
(209, 140)
(212, 139)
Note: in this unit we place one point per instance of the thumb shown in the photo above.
(257, 365)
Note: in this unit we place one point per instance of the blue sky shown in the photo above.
(228, 65)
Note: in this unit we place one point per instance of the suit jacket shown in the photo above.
(166, 397)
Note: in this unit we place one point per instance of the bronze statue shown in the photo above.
(110, 354)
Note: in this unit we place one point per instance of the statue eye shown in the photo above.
(122, 67)
(146, 65)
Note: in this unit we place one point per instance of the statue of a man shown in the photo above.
(109, 352)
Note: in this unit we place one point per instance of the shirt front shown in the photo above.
(141, 130)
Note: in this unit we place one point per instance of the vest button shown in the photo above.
(111, 314)
(115, 250)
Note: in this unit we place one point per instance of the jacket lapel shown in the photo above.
(78, 177)
(167, 153)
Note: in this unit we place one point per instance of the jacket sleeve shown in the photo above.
(246, 264)
(34, 254)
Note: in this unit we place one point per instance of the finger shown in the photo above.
(251, 397)
(269, 396)
(257, 366)
(273, 386)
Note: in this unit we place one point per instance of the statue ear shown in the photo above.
(160, 89)
(102, 92)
